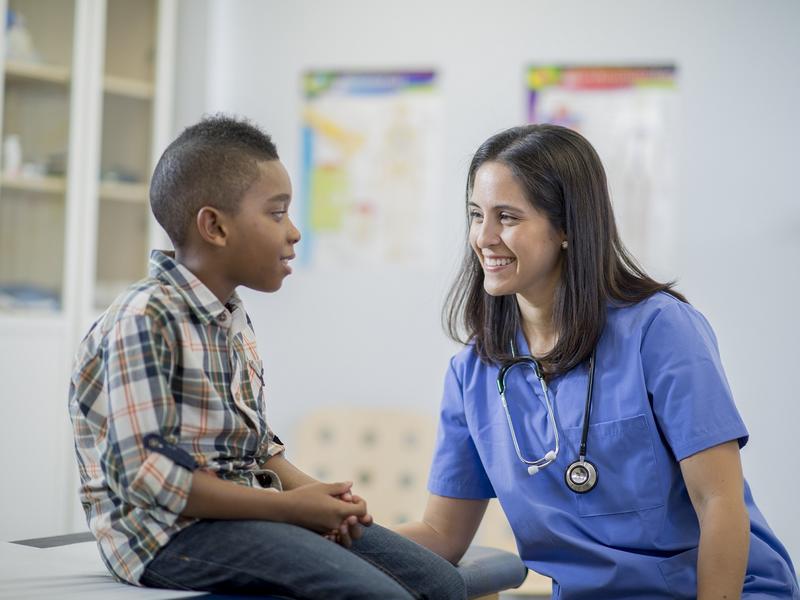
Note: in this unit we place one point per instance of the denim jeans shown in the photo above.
(263, 557)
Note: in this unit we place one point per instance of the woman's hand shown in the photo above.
(447, 527)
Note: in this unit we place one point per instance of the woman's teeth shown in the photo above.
(497, 262)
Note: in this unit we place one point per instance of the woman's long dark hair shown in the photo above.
(562, 177)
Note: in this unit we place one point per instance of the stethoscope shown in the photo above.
(581, 475)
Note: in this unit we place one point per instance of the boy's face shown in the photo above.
(262, 237)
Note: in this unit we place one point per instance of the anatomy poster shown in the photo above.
(372, 158)
(629, 115)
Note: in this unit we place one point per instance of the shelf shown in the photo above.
(124, 192)
(43, 185)
(128, 87)
(118, 86)
(37, 72)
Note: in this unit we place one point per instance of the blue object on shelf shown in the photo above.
(23, 295)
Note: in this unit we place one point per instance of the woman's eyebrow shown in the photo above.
(498, 207)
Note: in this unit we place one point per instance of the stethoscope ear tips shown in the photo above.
(548, 458)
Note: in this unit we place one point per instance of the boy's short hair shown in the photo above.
(212, 163)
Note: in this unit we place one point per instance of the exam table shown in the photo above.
(69, 567)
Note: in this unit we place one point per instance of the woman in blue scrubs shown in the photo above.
(657, 506)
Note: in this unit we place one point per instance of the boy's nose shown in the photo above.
(294, 233)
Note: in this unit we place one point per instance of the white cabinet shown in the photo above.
(86, 104)
(35, 130)
(126, 146)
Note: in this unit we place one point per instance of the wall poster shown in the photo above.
(372, 158)
(629, 114)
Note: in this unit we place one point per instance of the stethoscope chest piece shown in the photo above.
(581, 476)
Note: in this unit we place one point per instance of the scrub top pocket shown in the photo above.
(627, 475)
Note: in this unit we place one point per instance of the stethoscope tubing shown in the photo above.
(581, 475)
(587, 409)
(549, 457)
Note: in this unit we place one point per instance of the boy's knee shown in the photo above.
(427, 573)
(443, 582)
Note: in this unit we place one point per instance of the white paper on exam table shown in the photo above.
(69, 572)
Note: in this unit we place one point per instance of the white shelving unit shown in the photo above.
(41, 185)
(90, 109)
(128, 87)
(21, 70)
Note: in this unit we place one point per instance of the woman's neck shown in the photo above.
(537, 324)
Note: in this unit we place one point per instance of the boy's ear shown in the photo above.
(212, 227)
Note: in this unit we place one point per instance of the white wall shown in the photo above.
(373, 337)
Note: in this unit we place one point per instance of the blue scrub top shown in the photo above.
(660, 395)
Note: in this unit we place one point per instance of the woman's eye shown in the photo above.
(507, 217)
(475, 215)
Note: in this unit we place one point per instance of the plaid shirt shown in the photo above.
(167, 380)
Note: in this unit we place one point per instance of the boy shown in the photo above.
(183, 482)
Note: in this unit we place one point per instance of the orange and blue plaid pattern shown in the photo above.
(167, 380)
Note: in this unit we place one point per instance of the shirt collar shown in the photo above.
(201, 300)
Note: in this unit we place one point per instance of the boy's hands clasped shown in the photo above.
(330, 509)
(350, 529)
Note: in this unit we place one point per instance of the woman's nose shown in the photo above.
(487, 234)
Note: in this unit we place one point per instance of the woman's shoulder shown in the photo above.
(467, 364)
(650, 307)
(465, 358)
(669, 312)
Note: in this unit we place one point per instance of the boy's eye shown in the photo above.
(278, 214)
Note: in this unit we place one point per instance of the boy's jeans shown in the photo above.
(263, 557)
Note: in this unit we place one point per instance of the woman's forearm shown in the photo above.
(448, 526)
(425, 535)
(723, 552)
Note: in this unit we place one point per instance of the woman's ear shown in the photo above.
(212, 227)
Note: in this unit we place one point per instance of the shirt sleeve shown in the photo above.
(457, 470)
(274, 444)
(690, 395)
(141, 464)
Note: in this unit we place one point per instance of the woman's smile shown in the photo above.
(495, 264)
